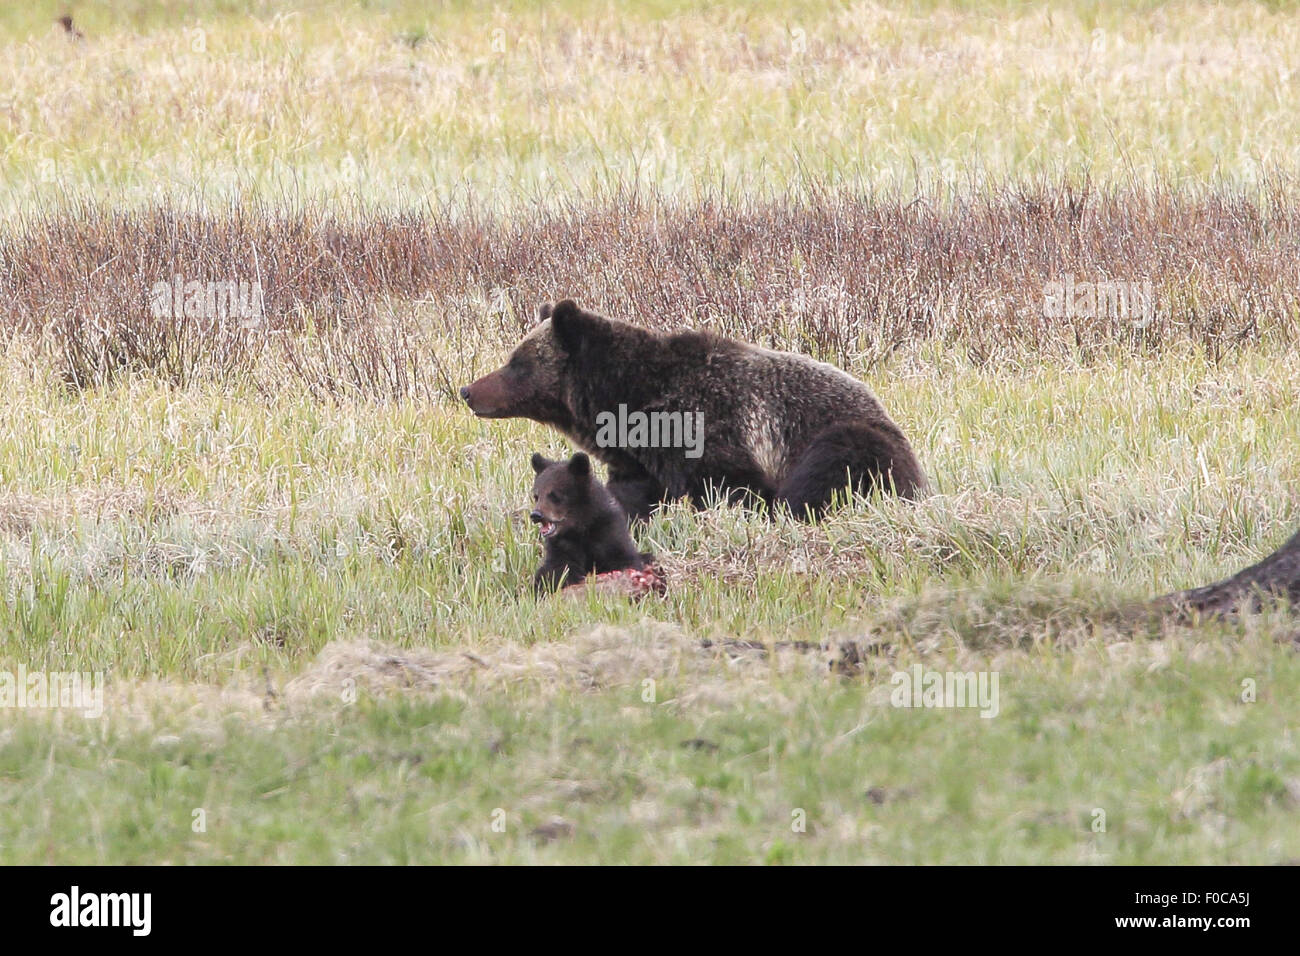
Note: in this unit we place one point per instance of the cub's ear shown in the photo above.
(572, 326)
(580, 464)
(540, 464)
(544, 311)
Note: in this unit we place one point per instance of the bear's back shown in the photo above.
(771, 403)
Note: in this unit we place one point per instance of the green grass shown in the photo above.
(148, 528)
(1160, 743)
(398, 104)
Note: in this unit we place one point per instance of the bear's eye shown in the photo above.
(552, 497)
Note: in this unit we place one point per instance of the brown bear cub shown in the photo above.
(775, 426)
(583, 528)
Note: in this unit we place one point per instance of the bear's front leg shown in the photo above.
(636, 491)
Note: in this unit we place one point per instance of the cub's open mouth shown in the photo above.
(547, 528)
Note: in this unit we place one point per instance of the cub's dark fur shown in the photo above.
(779, 426)
(583, 528)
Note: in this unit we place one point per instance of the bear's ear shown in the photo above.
(571, 325)
(580, 465)
(540, 464)
(544, 311)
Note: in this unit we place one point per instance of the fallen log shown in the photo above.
(1277, 576)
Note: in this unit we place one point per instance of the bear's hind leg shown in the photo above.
(871, 456)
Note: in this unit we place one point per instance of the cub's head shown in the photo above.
(566, 495)
(532, 383)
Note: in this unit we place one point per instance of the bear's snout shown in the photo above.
(545, 526)
(489, 397)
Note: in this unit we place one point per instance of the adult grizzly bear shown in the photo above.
(694, 414)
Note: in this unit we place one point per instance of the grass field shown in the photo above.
(394, 102)
(304, 568)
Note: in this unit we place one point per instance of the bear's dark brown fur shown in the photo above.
(583, 528)
(777, 425)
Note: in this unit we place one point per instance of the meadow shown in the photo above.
(305, 569)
